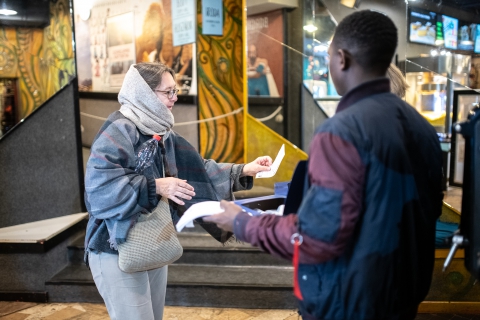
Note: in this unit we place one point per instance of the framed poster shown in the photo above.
(463, 101)
(184, 21)
(265, 54)
(120, 47)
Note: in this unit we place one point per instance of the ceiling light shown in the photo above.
(85, 14)
(84, 9)
(8, 12)
(310, 28)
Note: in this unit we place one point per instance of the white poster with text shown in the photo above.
(183, 21)
(121, 46)
(212, 17)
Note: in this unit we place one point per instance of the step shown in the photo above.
(76, 250)
(209, 274)
(193, 274)
(74, 283)
(229, 276)
(31, 253)
(40, 236)
(268, 287)
(193, 285)
(201, 248)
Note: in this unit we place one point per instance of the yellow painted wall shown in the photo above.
(220, 86)
(261, 140)
(222, 90)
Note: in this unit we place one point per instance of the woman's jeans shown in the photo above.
(129, 296)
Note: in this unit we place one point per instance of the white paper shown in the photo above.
(274, 166)
(201, 209)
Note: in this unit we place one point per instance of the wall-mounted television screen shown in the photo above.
(476, 49)
(450, 32)
(466, 35)
(422, 26)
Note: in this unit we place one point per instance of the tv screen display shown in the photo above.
(422, 26)
(476, 49)
(466, 35)
(450, 32)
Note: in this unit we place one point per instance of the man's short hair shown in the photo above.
(371, 37)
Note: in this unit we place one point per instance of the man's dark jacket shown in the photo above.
(368, 217)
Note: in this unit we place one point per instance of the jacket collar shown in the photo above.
(364, 90)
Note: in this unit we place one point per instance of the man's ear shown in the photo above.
(345, 59)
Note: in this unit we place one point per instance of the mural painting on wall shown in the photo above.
(220, 86)
(265, 54)
(41, 60)
(118, 34)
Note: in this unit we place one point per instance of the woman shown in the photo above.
(115, 195)
(398, 84)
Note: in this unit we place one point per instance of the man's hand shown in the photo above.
(258, 165)
(173, 188)
(225, 219)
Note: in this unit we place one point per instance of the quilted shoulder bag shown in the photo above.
(152, 243)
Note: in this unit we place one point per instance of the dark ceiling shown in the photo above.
(465, 5)
(31, 13)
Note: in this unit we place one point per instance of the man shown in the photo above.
(257, 73)
(367, 221)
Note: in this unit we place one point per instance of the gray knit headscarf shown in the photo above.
(142, 106)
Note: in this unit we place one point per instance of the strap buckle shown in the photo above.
(296, 237)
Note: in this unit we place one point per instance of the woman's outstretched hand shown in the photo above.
(256, 166)
(174, 189)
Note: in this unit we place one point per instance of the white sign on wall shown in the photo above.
(212, 17)
(183, 21)
(120, 46)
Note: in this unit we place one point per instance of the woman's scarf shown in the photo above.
(142, 106)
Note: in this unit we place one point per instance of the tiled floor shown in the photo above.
(84, 311)
(447, 317)
(90, 311)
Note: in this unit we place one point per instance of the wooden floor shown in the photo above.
(84, 311)
(90, 311)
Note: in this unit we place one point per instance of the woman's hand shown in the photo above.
(258, 165)
(173, 188)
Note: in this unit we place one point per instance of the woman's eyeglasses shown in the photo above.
(170, 93)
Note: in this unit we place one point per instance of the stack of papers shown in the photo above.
(201, 209)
